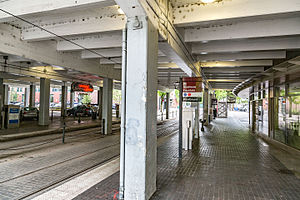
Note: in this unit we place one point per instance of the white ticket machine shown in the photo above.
(188, 115)
(12, 116)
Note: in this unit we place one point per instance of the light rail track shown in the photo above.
(112, 148)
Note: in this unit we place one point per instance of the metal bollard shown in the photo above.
(64, 130)
(202, 124)
(52, 115)
(103, 126)
(79, 120)
(189, 124)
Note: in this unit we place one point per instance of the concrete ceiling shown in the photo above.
(231, 40)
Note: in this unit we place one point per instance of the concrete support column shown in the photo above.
(72, 98)
(64, 92)
(167, 105)
(140, 117)
(44, 101)
(196, 120)
(2, 94)
(32, 96)
(1, 103)
(6, 96)
(209, 106)
(26, 97)
(107, 104)
(205, 106)
(100, 98)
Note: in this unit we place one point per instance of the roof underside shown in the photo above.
(232, 40)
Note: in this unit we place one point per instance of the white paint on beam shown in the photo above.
(254, 55)
(229, 9)
(160, 14)
(259, 44)
(237, 30)
(225, 80)
(232, 69)
(168, 51)
(29, 7)
(111, 52)
(247, 63)
(161, 59)
(45, 52)
(85, 21)
(95, 41)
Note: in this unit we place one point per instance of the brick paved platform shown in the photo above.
(227, 163)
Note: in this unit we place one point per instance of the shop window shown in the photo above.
(293, 115)
(265, 106)
(280, 119)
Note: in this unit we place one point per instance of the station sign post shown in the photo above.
(190, 90)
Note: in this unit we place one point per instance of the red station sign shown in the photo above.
(192, 84)
(81, 87)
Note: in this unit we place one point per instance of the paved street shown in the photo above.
(227, 164)
(33, 164)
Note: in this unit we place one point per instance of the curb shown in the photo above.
(47, 132)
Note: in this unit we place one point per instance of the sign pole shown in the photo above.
(180, 120)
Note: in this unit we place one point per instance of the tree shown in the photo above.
(221, 95)
(117, 94)
(86, 99)
(13, 96)
(162, 97)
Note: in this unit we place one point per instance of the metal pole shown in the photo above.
(64, 130)
(79, 120)
(52, 114)
(123, 114)
(180, 120)
(103, 126)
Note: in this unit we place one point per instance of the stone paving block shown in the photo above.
(227, 163)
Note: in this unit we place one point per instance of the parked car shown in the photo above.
(242, 108)
(83, 110)
(29, 112)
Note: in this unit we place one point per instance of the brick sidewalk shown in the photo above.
(227, 163)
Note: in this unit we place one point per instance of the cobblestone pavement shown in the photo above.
(227, 163)
(37, 167)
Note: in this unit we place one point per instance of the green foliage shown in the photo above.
(117, 96)
(177, 95)
(221, 94)
(86, 99)
(162, 97)
(13, 96)
(161, 94)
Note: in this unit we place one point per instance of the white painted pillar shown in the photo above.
(197, 120)
(26, 97)
(1, 103)
(205, 106)
(6, 96)
(141, 118)
(167, 105)
(64, 92)
(100, 98)
(107, 104)
(2, 94)
(44, 101)
(72, 98)
(32, 95)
